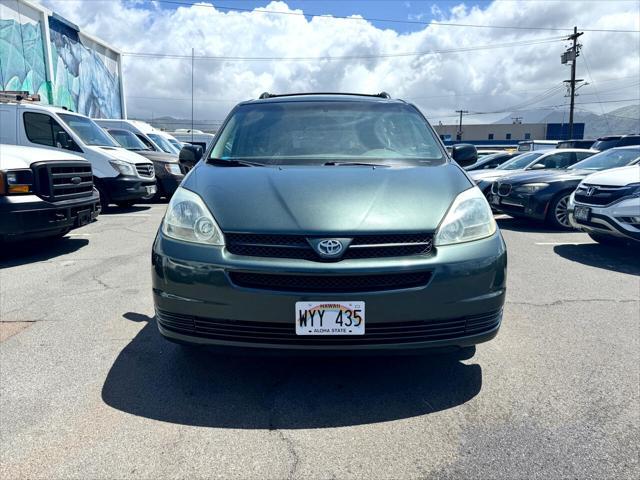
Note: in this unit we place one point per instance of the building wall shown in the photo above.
(43, 53)
(495, 131)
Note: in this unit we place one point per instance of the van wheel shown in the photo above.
(104, 198)
(558, 215)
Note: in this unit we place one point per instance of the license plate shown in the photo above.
(581, 213)
(329, 318)
(495, 200)
(151, 190)
(84, 217)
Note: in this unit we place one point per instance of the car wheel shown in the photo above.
(558, 215)
(606, 239)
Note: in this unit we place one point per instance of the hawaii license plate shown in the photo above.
(581, 213)
(151, 189)
(329, 318)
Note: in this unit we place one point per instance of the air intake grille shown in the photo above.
(145, 170)
(298, 246)
(284, 333)
(601, 195)
(57, 181)
(330, 283)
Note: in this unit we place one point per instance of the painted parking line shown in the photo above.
(563, 243)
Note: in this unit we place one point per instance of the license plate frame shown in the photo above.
(581, 213)
(330, 318)
(151, 189)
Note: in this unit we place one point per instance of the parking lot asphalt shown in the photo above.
(90, 390)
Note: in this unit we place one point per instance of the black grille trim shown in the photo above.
(284, 333)
(602, 196)
(56, 181)
(298, 247)
(145, 170)
(330, 283)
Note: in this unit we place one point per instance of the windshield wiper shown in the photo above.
(233, 163)
(357, 164)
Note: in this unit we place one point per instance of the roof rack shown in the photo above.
(265, 95)
(18, 96)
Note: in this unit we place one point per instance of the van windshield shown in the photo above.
(128, 140)
(161, 142)
(88, 131)
(318, 132)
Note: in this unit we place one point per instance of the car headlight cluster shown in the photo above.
(173, 168)
(469, 218)
(123, 167)
(531, 187)
(189, 219)
(13, 182)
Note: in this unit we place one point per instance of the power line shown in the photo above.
(344, 57)
(384, 20)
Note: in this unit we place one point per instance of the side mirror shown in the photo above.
(190, 155)
(538, 166)
(63, 140)
(464, 154)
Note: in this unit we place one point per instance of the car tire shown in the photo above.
(558, 214)
(606, 239)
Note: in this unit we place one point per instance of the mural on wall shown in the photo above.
(22, 57)
(85, 80)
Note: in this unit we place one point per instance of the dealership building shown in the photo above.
(507, 133)
(42, 52)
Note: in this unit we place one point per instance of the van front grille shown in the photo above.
(145, 169)
(55, 181)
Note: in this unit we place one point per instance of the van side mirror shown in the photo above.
(63, 140)
(464, 154)
(190, 155)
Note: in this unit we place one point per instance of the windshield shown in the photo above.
(176, 144)
(521, 161)
(319, 132)
(161, 142)
(127, 139)
(608, 159)
(88, 131)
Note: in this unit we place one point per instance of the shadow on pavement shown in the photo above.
(623, 258)
(527, 225)
(22, 253)
(159, 380)
(114, 210)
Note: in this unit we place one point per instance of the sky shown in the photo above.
(484, 68)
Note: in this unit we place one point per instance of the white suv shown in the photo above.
(606, 204)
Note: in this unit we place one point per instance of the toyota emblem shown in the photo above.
(330, 247)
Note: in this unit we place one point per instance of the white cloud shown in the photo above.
(483, 80)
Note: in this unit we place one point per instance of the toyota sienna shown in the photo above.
(329, 222)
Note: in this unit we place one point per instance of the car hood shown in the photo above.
(546, 176)
(119, 153)
(490, 175)
(327, 199)
(616, 177)
(157, 156)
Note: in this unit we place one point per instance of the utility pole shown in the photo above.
(460, 124)
(572, 55)
(192, 59)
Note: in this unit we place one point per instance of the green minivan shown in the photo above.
(329, 222)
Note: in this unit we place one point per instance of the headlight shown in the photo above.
(173, 168)
(123, 167)
(189, 219)
(14, 182)
(469, 218)
(531, 187)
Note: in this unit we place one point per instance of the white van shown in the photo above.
(194, 137)
(44, 193)
(151, 137)
(532, 145)
(121, 177)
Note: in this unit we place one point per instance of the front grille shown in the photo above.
(298, 247)
(600, 195)
(55, 181)
(145, 169)
(330, 283)
(284, 333)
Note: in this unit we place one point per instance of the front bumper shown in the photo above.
(607, 220)
(168, 183)
(124, 188)
(196, 301)
(29, 216)
(531, 205)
